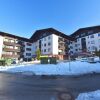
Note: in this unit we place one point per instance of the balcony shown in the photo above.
(10, 56)
(11, 49)
(11, 43)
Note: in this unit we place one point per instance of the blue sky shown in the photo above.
(23, 17)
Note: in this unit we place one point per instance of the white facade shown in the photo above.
(49, 45)
(92, 44)
(27, 50)
(1, 45)
(54, 44)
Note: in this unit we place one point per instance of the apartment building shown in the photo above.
(51, 42)
(15, 47)
(87, 40)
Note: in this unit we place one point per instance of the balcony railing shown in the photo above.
(11, 49)
(10, 56)
(11, 43)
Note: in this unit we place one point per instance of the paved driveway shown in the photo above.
(21, 87)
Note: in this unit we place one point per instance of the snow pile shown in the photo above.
(89, 96)
(74, 68)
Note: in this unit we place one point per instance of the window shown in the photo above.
(6, 40)
(93, 48)
(89, 32)
(71, 47)
(16, 47)
(48, 37)
(44, 50)
(75, 45)
(77, 36)
(88, 42)
(49, 49)
(76, 49)
(77, 39)
(12, 41)
(29, 44)
(98, 34)
(28, 54)
(28, 49)
(45, 44)
(83, 34)
(92, 36)
(70, 42)
(92, 42)
(45, 39)
(49, 44)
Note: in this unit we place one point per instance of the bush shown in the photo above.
(2, 62)
(53, 60)
(44, 60)
(8, 61)
(48, 60)
(38, 54)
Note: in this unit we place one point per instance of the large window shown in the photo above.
(44, 50)
(98, 34)
(92, 36)
(49, 49)
(45, 45)
(29, 44)
(48, 37)
(49, 44)
(28, 54)
(28, 49)
(92, 42)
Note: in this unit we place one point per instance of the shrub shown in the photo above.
(2, 62)
(8, 61)
(44, 60)
(53, 60)
(38, 54)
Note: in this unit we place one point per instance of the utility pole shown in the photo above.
(69, 63)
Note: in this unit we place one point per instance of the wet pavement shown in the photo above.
(22, 87)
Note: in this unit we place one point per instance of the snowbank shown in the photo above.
(89, 96)
(74, 68)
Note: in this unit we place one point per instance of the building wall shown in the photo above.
(54, 44)
(1, 45)
(27, 53)
(46, 45)
(49, 45)
(92, 43)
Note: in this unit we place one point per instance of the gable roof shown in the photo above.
(36, 35)
(14, 36)
(95, 29)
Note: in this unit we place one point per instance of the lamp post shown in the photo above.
(69, 61)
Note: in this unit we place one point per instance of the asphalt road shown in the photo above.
(21, 87)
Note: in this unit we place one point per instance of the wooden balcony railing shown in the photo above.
(10, 56)
(11, 43)
(11, 49)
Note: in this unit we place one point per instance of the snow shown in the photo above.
(95, 95)
(76, 68)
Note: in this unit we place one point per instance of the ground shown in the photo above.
(81, 77)
(23, 87)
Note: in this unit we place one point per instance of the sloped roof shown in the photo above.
(53, 31)
(95, 29)
(14, 36)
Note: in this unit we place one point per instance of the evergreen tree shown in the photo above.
(38, 54)
(97, 53)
